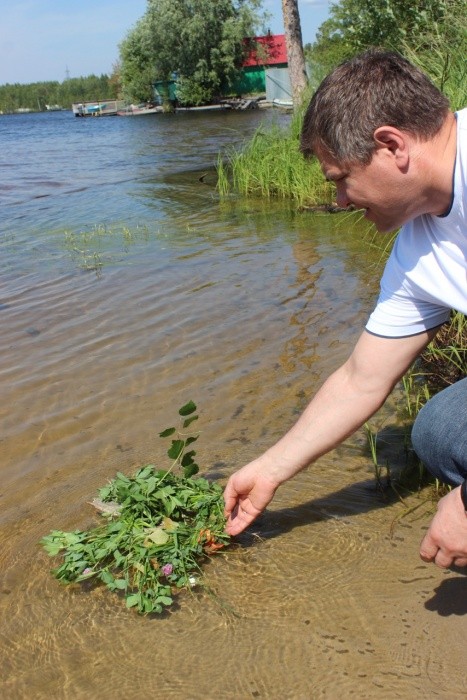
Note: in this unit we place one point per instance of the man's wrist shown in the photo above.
(464, 494)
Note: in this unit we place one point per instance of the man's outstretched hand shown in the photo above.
(445, 543)
(246, 495)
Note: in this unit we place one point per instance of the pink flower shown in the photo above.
(167, 569)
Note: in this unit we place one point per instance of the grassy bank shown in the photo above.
(271, 165)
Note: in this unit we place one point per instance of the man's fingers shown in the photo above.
(430, 552)
(428, 548)
(241, 516)
(237, 522)
(443, 560)
(229, 503)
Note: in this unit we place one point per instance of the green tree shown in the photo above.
(329, 49)
(355, 25)
(386, 23)
(199, 41)
(138, 61)
(36, 95)
(115, 80)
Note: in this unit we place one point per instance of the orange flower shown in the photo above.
(210, 543)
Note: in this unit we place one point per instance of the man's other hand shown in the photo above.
(445, 543)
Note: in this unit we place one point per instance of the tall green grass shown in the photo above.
(442, 363)
(444, 61)
(270, 165)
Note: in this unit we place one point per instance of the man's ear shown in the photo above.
(395, 141)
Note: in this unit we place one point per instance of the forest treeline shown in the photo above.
(202, 43)
(35, 96)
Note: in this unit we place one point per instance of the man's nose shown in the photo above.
(341, 197)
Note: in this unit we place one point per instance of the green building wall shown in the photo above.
(253, 81)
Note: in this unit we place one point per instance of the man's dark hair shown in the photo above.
(376, 88)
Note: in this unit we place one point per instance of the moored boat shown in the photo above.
(205, 108)
(136, 110)
(98, 108)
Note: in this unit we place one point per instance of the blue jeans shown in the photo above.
(439, 435)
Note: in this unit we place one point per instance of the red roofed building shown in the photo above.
(265, 68)
(269, 50)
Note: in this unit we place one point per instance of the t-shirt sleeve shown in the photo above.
(403, 309)
(397, 316)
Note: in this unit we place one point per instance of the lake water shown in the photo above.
(128, 288)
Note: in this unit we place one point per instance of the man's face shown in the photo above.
(379, 188)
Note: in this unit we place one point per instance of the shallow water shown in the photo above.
(127, 289)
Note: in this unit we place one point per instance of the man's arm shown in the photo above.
(345, 401)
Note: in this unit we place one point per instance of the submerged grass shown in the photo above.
(92, 248)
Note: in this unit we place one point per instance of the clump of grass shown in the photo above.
(372, 440)
(159, 525)
(442, 363)
(271, 165)
(441, 53)
(445, 359)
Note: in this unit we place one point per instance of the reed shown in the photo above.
(93, 247)
(445, 359)
(444, 60)
(270, 165)
(372, 441)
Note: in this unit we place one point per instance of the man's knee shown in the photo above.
(427, 438)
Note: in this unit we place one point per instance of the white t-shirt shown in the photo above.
(426, 274)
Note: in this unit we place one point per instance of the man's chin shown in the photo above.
(381, 226)
(384, 226)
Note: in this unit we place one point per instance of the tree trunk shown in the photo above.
(294, 44)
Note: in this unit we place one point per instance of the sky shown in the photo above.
(55, 39)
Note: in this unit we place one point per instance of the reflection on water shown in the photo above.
(244, 307)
